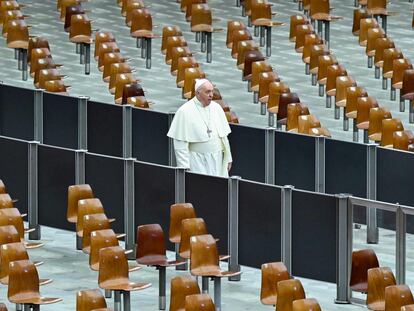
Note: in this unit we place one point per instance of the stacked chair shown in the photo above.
(185, 67)
(273, 94)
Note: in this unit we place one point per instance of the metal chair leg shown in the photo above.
(148, 50)
(161, 288)
(87, 59)
(209, 47)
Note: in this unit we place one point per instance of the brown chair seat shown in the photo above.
(284, 100)
(199, 302)
(177, 52)
(115, 69)
(362, 261)
(272, 273)
(376, 115)
(141, 24)
(121, 80)
(333, 71)
(382, 44)
(17, 34)
(296, 20)
(169, 31)
(364, 105)
(173, 41)
(109, 59)
(288, 291)
(91, 223)
(133, 94)
(311, 39)
(399, 66)
(72, 10)
(101, 37)
(80, 29)
(352, 95)
(301, 31)
(403, 140)
(309, 304)
(56, 86)
(249, 58)
(378, 280)
(389, 56)
(190, 75)
(48, 75)
(358, 15)
(397, 296)
(389, 126)
(90, 299)
(87, 207)
(179, 212)
(275, 88)
(365, 24)
(105, 47)
(342, 83)
(36, 42)
(9, 234)
(295, 110)
(184, 63)
(239, 35)
(407, 89)
(324, 61)
(181, 287)
(257, 68)
(231, 26)
(265, 78)
(76, 193)
(243, 47)
(313, 59)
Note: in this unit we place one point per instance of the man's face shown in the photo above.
(205, 93)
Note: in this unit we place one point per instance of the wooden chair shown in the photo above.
(179, 212)
(133, 94)
(249, 58)
(389, 126)
(378, 280)
(121, 80)
(72, 10)
(272, 273)
(324, 61)
(173, 41)
(204, 262)
(190, 75)
(115, 69)
(352, 95)
(312, 63)
(265, 78)
(200, 302)
(56, 86)
(381, 44)
(81, 33)
(63, 4)
(8, 16)
(332, 72)
(101, 37)
(399, 66)
(181, 287)
(397, 296)
(88, 207)
(362, 261)
(12, 216)
(12, 252)
(129, 5)
(105, 47)
(364, 105)
(407, 91)
(320, 12)
(169, 31)
(257, 68)
(189, 8)
(387, 70)
(40, 64)
(301, 31)
(238, 35)
(151, 251)
(365, 24)
(403, 140)
(114, 276)
(76, 193)
(376, 115)
(359, 14)
(275, 89)
(342, 83)
(18, 39)
(24, 286)
(287, 292)
(109, 59)
(372, 35)
(309, 304)
(242, 48)
(35, 54)
(378, 8)
(231, 26)
(90, 299)
(48, 75)
(9, 234)
(183, 64)
(296, 20)
(293, 112)
(177, 53)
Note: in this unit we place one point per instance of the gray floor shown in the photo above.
(222, 71)
(70, 270)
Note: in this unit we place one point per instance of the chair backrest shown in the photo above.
(121, 80)
(103, 48)
(319, 7)
(315, 52)
(372, 35)
(72, 10)
(261, 10)
(296, 20)
(306, 123)
(265, 78)
(141, 22)
(364, 105)
(204, 257)
(397, 296)
(12, 216)
(288, 291)
(378, 279)
(17, 34)
(3, 307)
(177, 52)
(100, 239)
(295, 110)
(76, 193)
(333, 72)
(376, 4)
(408, 83)
(352, 95)
(365, 24)
(173, 41)
(301, 31)
(91, 223)
(87, 207)
(23, 281)
(181, 287)
(113, 266)
(190, 76)
(150, 244)
(5, 200)
(257, 68)
(183, 63)
(239, 35)
(199, 302)
(242, 48)
(80, 27)
(275, 89)
(249, 58)
(48, 75)
(100, 37)
(272, 273)
(169, 31)
(362, 261)
(389, 126)
(133, 89)
(380, 45)
(201, 17)
(89, 299)
(324, 61)
(342, 83)
(10, 252)
(399, 66)
(376, 115)
(284, 100)
(231, 26)
(9, 234)
(389, 56)
(403, 140)
(309, 304)
(190, 227)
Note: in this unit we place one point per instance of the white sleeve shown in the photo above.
(226, 152)
(182, 154)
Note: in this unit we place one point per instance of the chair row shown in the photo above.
(266, 85)
(185, 67)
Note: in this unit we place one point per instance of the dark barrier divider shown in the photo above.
(209, 195)
(105, 128)
(346, 171)
(16, 112)
(56, 172)
(248, 151)
(259, 223)
(395, 171)
(14, 170)
(149, 136)
(60, 120)
(295, 160)
(154, 194)
(314, 233)
(106, 176)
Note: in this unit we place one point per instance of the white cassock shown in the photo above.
(200, 138)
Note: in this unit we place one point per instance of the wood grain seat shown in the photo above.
(151, 251)
(199, 302)
(24, 285)
(114, 275)
(362, 261)
(133, 94)
(296, 20)
(272, 273)
(115, 69)
(179, 212)
(181, 287)
(81, 33)
(48, 75)
(397, 296)
(231, 26)
(169, 31)
(90, 299)
(403, 140)
(288, 291)
(309, 304)
(376, 115)
(295, 110)
(378, 280)
(76, 193)
(9, 234)
(183, 64)
(389, 126)
(101, 37)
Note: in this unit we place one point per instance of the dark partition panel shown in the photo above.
(16, 112)
(295, 160)
(154, 194)
(14, 170)
(259, 223)
(56, 173)
(314, 231)
(209, 196)
(248, 151)
(60, 120)
(395, 171)
(346, 171)
(149, 136)
(106, 177)
(105, 128)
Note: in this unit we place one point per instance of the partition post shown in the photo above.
(320, 164)
(32, 208)
(401, 223)
(38, 115)
(344, 248)
(179, 198)
(83, 122)
(80, 156)
(127, 131)
(270, 156)
(287, 226)
(129, 206)
(171, 155)
(233, 226)
(372, 227)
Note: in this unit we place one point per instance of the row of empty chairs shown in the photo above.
(266, 85)
(185, 67)
(376, 121)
